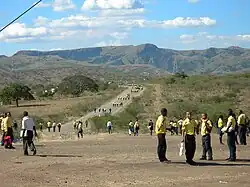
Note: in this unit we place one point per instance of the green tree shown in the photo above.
(76, 85)
(15, 92)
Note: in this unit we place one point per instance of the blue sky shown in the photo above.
(176, 24)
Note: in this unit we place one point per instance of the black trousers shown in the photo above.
(80, 133)
(59, 129)
(2, 141)
(243, 134)
(162, 147)
(54, 129)
(220, 134)
(28, 143)
(207, 148)
(231, 145)
(190, 146)
(10, 133)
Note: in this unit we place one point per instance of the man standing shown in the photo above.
(41, 127)
(180, 125)
(136, 127)
(231, 136)
(189, 128)
(242, 128)
(28, 129)
(86, 123)
(160, 130)
(206, 129)
(130, 128)
(109, 127)
(151, 127)
(2, 128)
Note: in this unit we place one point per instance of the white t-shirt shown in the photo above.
(109, 124)
(27, 123)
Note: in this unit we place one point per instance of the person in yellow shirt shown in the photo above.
(8, 128)
(242, 128)
(160, 130)
(231, 136)
(206, 129)
(49, 125)
(189, 128)
(220, 126)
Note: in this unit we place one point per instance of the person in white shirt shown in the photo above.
(27, 132)
(136, 127)
(80, 130)
(54, 126)
(109, 127)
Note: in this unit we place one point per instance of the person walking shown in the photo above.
(220, 126)
(86, 123)
(231, 136)
(189, 128)
(28, 130)
(80, 130)
(151, 127)
(130, 128)
(242, 128)
(180, 125)
(236, 129)
(59, 125)
(49, 125)
(54, 126)
(2, 129)
(41, 127)
(160, 130)
(8, 131)
(109, 127)
(206, 129)
(136, 127)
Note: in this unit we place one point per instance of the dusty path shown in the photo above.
(120, 161)
(67, 131)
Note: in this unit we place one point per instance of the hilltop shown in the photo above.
(122, 62)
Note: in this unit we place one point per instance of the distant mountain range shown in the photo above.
(146, 58)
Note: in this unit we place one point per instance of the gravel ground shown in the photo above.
(118, 161)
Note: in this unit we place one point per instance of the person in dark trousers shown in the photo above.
(59, 125)
(206, 129)
(160, 130)
(236, 129)
(86, 123)
(242, 128)
(8, 128)
(151, 127)
(80, 130)
(28, 130)
(220, 125)
(110, 110)
(231, 136)
(189, 128)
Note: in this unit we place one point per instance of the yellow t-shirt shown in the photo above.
(242, 119)
(49, 124)
(7, 123)
(220, 123)
(189, 126)
(160, 126)
(204, 124)
(231, 120)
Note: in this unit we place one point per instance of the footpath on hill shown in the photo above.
(67, 131)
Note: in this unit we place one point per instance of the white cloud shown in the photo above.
(108, 43)
(119, 35)
(193, 1)
(61, 5)
(40, 20)
(122, 12)
(58, 5)
(205, 40)
(20, 32)
(112, 4)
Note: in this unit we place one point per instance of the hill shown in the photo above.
(212, 60)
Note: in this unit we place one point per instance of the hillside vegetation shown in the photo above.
(211, 94)
(212, 60)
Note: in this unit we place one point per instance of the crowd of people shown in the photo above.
(27, 132)
(233, 126)
(50, 126)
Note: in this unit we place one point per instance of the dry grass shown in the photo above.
(46, 108)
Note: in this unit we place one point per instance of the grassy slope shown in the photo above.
(211, 94)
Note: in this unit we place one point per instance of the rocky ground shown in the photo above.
(119, 161)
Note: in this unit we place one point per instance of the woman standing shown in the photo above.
(189, 128)
(220, 126)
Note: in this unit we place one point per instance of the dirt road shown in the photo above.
(67, 131)
(120, 161)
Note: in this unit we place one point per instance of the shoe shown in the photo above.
(192, 163)
(26, 154)
(12, 147)
(34, 152)
(210, 159)
(231, 160)
(203, 158)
